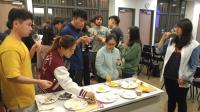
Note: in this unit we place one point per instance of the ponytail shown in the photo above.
(55, 44)
(66, 42)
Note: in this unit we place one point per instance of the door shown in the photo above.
(127, 19)
(146, 26)
(198, 31)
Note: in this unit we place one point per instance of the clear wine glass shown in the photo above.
(36, 38)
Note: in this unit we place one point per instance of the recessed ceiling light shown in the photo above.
(80, 3)
(173, 5)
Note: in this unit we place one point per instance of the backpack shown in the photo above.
(155, 70)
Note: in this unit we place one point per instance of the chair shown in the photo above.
(195, 85)
(156, 57)
(146, 58)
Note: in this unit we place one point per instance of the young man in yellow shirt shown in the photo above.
(17, 84)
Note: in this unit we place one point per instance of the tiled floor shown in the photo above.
(155, 81)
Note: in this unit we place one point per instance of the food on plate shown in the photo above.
(129, 85)
(128, 94)
(75, 104)
(48, 99)
(137, 81)
(112, 84)
(65, 96)
(107, 97)
(90, 101)
(102, 88)
(146, 88)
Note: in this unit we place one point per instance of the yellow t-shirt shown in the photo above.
(15, 61)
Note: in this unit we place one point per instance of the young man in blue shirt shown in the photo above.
(74, 28)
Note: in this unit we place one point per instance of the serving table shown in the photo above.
(144, 103)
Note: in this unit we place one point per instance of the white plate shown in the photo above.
(129, 85)
(75, 104)
(106, 97)
(102, 88)
(47, 99)
(128, 94)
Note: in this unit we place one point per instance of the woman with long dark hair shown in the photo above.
(54, 69)
(131, 53)
(181, 57)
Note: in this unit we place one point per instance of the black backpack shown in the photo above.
(154, 69)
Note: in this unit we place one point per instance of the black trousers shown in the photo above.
(77, 76)
(175, 94)
(86, 71)
(93, 60)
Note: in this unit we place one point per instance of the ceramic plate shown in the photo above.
(129, 85)
(75, 104)
(106, 97)
(48, 99)
(102, 88)
(128, 94)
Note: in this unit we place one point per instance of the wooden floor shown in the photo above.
(155, 81)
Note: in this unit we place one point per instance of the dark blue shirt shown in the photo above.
(77, 58)
(118, 32)
(172, 66)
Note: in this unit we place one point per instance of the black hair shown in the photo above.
(186, 27)
(66, 42)
(58, 20)
(48, 36)
(110, 37)
(134, 36)
(80, 13)
(97, 17)
(116, 19)
(20, 14)
(92, 20)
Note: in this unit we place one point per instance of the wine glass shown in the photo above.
(36, 38)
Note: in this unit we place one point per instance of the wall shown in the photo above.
(196, 17)
(192, 13)
(111, 7)
(137, 5)
(4, 9)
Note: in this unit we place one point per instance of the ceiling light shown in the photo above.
(17, 3)
(80, 3)
(173, 5)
